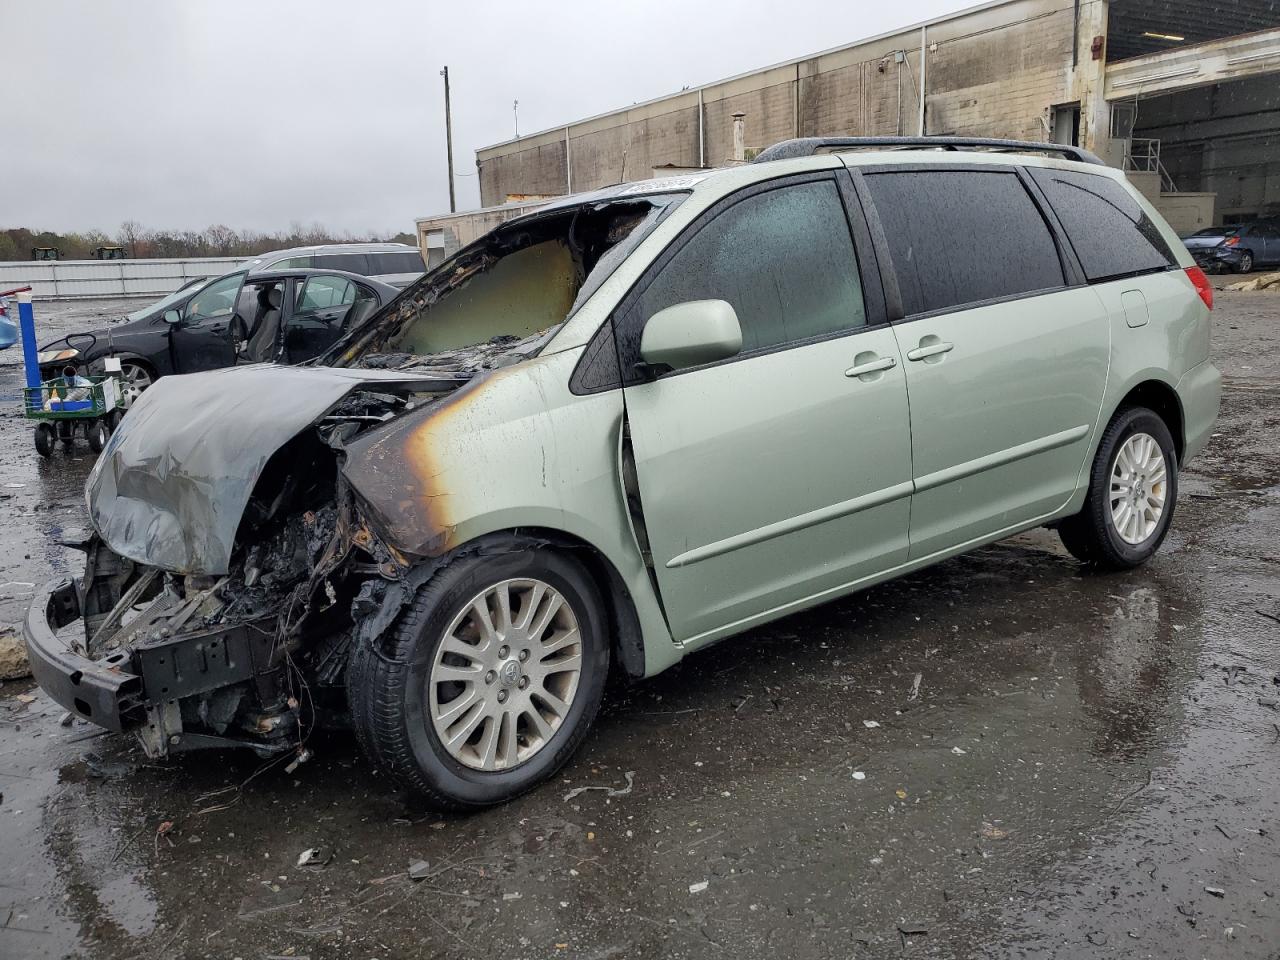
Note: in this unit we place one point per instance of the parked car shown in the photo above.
(1239, 247)
(398, 264)
(393, 264)
(624, 427)
(194, 328)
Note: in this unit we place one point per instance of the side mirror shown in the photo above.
(689, 334)
(173, 317)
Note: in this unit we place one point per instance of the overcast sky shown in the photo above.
(257, 114)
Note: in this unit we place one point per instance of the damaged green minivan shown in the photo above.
(626, 426)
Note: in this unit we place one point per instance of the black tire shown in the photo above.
(1091, 536)
(67, 434)
(1246, 262)
(387, 680)
(98, 435)
(45, 438)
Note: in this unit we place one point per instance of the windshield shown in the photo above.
(500, 299)
(161, 305)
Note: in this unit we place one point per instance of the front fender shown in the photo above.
(514, 449)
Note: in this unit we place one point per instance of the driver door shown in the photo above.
(779, 477)
(201, 340)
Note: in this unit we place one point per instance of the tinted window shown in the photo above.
(960, 237)
(380, 263)
(1108, 229)
(784, 259)
(350, 262)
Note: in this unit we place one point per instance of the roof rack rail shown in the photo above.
(808, 146)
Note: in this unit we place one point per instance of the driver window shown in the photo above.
(216, 300)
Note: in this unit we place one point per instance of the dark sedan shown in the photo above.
(283, 315)
(1239, 247)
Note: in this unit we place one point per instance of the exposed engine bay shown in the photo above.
(235, 563)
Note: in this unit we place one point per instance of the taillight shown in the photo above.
(1201, 283)
(1230, 241)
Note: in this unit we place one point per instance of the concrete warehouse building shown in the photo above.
(1183, 94)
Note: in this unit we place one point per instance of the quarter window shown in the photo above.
(784, 259)
(386, 263)
(959, 237)
(1107, 227)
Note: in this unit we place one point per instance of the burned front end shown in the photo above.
(251, 524)
(229, 563)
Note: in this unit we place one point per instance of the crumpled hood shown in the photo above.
(174, 480)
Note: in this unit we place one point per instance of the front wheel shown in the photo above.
(489, 680)
(98, 435)
(45, 437)
(1133, 487)
(1246, 262)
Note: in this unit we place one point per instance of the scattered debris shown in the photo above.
(699, 887)
(859, 775)
(1268, 703)
(901, 794)
(1269, 616)
(315, 857)
(992, 832)
(630, 776)
(914, 693)
(419, 870)
(870, 724)
(512, 896)
(958, 751)
(1215, 892)
(67, 719)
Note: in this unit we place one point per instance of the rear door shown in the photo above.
(320, 306)
(1006, 359)
(781, 474)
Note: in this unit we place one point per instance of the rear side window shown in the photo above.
(1108, 229)
(383, 263)
(959, 237)
(348, 262)
(783, 258)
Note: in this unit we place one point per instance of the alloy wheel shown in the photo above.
(136, 379)
(1139, 486)
(505, 674)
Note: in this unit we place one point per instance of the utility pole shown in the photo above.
(448, 138)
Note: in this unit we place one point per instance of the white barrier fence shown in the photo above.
(78, 279)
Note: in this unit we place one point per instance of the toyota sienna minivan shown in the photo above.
(622, 428)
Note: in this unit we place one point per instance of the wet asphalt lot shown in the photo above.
(1089, 766)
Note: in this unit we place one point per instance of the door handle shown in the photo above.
(930, 346)
(871, 366)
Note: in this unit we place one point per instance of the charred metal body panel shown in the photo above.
(171, 487)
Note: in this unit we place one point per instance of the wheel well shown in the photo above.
(1161, 398)
(626, 637)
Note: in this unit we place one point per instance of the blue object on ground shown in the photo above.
(27, 320)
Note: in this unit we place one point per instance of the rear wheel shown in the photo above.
(489, 680)
(67, 434)
(1133, 487)
(1246, 262)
